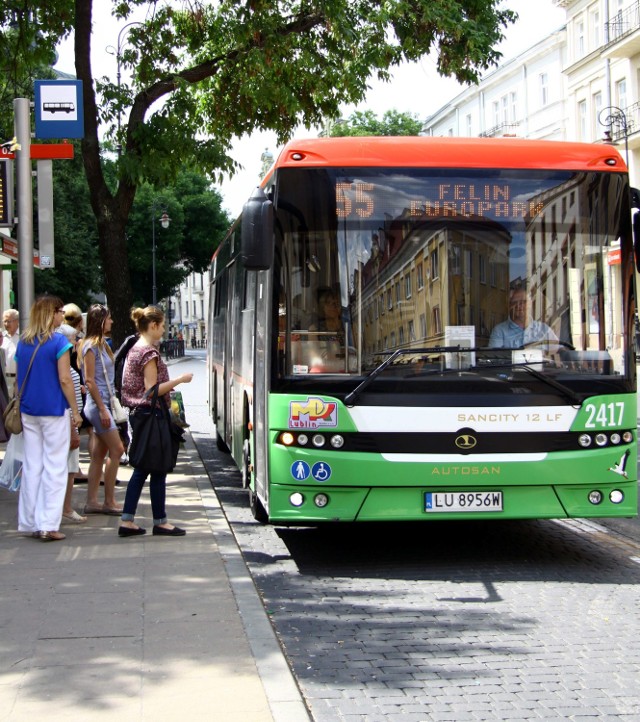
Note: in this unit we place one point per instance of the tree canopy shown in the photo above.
(367, 123)
(198, 74)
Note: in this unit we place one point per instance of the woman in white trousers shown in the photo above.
(47, 393)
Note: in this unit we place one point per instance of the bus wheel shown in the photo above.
(220, 444)
(258, 511)
(246, 464)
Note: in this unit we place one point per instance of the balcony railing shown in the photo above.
(502, 129)
(623, 23)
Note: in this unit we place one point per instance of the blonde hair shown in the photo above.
(41, 318)
(73, 315)
(143, 317)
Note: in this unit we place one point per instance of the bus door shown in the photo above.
(230, 359)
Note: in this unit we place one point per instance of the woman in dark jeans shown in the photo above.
(144, 368)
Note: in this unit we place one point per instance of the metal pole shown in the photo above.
(153, 255)
(24, 192)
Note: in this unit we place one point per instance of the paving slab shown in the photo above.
(95, 626)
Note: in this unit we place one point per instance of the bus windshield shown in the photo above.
(451, 272)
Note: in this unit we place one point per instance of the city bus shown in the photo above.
(418, 328)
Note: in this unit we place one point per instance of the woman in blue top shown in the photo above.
(44, 403)
(98, 370)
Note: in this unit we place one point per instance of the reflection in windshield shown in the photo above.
(382, 259)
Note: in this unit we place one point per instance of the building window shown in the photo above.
(469, 125)
(582, 120)
(423, 325)
(580, 38)
(434, 265)
(595, 28)
(389, 299)
(597, 107)
(437, 329)
(482, 268)
(621, 93)
(407, 285)
(420, 276)
(412, 331)
(544, 89)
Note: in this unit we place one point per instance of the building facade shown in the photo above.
(187, 311)
(581, 83)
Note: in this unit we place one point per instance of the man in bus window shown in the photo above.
(520, 329)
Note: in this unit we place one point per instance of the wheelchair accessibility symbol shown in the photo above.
(321, 471)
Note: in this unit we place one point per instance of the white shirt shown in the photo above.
(9, 347)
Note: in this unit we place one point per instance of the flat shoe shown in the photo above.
(52, 536)
(128, 531)
(74, 518)
(161, 531)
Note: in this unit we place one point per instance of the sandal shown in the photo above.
(52, 536)
(111, 511)
(74, 517)
(92, 509)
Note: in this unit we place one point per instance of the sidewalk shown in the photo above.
(96, 627)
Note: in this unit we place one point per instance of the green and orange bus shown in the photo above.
(429, 328)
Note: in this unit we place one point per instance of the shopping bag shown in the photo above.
(177, 412)
(11, 467)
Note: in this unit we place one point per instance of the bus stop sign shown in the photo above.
(58, 109)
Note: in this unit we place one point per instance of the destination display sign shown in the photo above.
(423, 198)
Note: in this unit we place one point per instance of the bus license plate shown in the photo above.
(457, 501)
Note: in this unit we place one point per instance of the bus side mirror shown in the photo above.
(256, 241)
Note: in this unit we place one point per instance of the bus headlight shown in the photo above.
(584, 440)
(615, 438)
(337, 441)
(601, 439)
(616, 496)
(320, 500)
(296, 499)
(595, 497)
(303, 439)
(627, 437)
(287, 438)
(317, 440)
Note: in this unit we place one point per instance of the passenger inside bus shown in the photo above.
(329, 334)
(520, 329)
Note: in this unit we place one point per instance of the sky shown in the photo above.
(415, 88)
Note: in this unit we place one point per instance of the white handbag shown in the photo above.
(117, 410)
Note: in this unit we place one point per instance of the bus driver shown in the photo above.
(520, 329)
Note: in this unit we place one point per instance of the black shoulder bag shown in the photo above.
(155, 438)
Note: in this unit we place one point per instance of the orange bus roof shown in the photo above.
(429, 152)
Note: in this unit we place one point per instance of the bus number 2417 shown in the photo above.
(604, 415)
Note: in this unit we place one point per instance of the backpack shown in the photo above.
(119, 358)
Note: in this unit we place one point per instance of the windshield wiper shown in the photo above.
(564, 390)
(351, 398)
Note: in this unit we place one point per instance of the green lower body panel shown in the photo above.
(410, 504)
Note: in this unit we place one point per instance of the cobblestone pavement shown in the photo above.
(446, 621)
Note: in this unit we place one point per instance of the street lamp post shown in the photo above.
(614, 116)
(117, 51)
(164, 222)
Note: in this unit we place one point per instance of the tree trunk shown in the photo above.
(115, 260)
